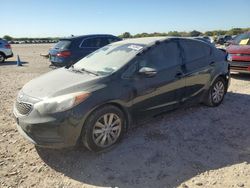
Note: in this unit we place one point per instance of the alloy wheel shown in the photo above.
(218, 92)
(107, 130)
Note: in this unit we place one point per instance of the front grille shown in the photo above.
(23, 108)
(240, 54)
(238, 67)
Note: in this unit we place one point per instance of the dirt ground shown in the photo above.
(191, 147)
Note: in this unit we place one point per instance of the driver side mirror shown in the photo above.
(147, 72)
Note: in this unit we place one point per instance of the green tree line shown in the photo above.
(194, 33)
(9, 38)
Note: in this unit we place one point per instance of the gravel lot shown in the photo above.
(192, 147)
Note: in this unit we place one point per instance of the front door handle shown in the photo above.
(179, 75)
(212, 63)
(149, 90)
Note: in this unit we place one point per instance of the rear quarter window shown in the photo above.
(194, 50)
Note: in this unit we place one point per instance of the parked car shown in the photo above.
(205, 39)
(223, 39)
(5, 50)
(239, 53)
(96, 100)
(69, 50)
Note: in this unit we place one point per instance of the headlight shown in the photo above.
(60, 103)
(229, 57)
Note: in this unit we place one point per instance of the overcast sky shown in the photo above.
(44, 18)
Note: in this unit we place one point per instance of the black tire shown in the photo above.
(210, 100)
(89, 138)
(2, 58)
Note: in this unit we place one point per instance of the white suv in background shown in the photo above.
(5, 50)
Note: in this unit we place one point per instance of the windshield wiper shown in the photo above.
(76, 70)
(90, 72)
(72, 68)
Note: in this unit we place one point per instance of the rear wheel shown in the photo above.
(216, 92)
(2, 58)
(103, 128)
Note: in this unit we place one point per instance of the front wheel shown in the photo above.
(104, 128)
(216, 92)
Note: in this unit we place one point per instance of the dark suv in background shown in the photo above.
(69, 50)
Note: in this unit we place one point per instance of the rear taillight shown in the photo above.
(8, 46)
(63, 54)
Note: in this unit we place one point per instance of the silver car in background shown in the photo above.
(5, 50)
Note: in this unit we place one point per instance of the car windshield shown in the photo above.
(109, 59)
(243, 39)
(62, 44)
(228, 37)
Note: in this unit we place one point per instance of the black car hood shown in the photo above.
(59, 82)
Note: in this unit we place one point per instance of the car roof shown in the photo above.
(145, 41)
(150, 41)
(86, 36)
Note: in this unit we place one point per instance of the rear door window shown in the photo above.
(62, 44)
(104, 41)
(197, 54)
(96, 42)
(194, 50)
(90, 43)
(113, 39)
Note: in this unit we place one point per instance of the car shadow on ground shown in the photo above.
(12, 63)
(241, 76)
(167, 150)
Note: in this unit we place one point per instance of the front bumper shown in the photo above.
(7, 52)
(9, 56)
(240, 66)
(58, 131)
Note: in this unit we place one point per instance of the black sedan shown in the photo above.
(96, 100)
